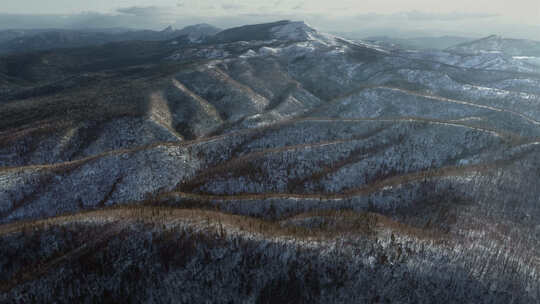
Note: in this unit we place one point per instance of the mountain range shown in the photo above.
(13, 41)
(498, 44)
(437, 43)
(269, 163)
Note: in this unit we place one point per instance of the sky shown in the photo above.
(516, 18)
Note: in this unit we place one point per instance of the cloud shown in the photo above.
(419, 16)
(234, 13)
(130, 17)
(228, 6)
(139, 11)
(148, 16)
(454, 16)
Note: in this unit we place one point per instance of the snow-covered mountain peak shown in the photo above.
(297, 30)
(284, 30)
(198, 32)
(168, 29)
(301, 31)
(202, 27)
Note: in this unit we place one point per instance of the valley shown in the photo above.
(271, 163)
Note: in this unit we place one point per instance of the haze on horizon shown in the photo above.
(519, 19)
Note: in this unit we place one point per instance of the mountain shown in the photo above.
(281, 30)
(198, 32)
(491, 53)
(437, 43)
(498, 44)
(48, 40)
(268, 163)
(6, 35)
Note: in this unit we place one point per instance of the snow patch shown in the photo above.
(301, 31)
(248, 54)
(269, 51)
(293, 31)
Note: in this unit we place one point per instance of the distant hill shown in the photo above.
(494, 43)
(197, 32)
(268, 163)
(438, 43)
(37, 40)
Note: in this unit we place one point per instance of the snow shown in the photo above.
(528, 59)
(301, 31)
(366, 45)
(249, 54)
(293, 31)
(490, 52)
(292, 51)
(489, 60)
(269, 51)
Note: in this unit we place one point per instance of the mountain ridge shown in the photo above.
(497, 43)
(54, 39)
(270, 163)
(283, 30)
